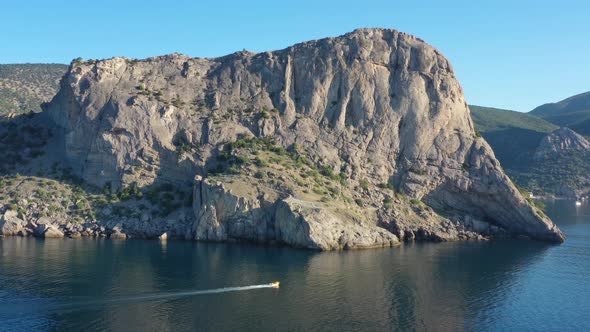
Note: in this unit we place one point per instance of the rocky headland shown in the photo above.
(363, 140)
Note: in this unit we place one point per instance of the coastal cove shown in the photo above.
(473, 285)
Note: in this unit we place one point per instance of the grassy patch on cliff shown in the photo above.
(252, 166)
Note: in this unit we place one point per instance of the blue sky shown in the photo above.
(509, 54)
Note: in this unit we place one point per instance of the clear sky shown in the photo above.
(513, 54)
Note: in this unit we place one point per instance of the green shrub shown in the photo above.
(234, 169)
(101, 201)
(259, 162)
(387, 185)
(539, 204)
(327, 171)
(129, 192)
(418, 171)
(364, 184)
(318, 191)
(388, 202)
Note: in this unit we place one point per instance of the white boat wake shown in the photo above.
(81, 305)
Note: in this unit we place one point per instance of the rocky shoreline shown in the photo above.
(289, 221)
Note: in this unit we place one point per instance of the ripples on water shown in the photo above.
(499, 285)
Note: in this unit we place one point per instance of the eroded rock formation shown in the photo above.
(380, 109)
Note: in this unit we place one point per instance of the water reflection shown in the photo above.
(449, 286)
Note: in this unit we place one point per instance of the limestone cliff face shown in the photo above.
(375, 105)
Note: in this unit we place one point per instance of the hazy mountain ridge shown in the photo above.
(572, 112)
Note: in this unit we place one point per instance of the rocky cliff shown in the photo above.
(561, 141)
(353, 141)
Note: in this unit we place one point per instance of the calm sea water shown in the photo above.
(84, 284)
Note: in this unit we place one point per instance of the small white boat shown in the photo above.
(578, 203)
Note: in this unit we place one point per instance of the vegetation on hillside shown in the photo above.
(286, 171)
(582, 128)
(488, 119)
(513, 136)
(563, 175)
(573, 112)
(23, 87)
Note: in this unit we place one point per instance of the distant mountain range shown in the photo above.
(543, 150)
(573, 112)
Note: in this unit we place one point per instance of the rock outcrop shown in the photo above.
(223, 215)
(304, 224)
(48, 231)
(561, 141)
(11, 224)
(379, 109)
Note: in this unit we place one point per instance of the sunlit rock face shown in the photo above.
(560, 141)
(380, 108)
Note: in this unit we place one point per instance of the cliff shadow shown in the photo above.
(514, 147)
(37, 182)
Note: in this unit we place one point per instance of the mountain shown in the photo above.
(582, 127)
(561, 165)
(358, 141)
(536, 154)
(23, 87)
(561, 141)
(514, 136)
(573, 112)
